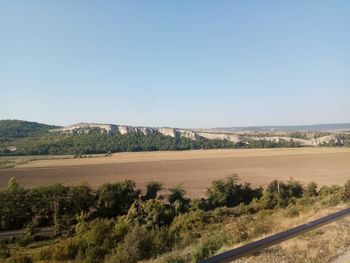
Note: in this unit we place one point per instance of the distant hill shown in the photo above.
(21, 129)
(31, 138)
(303, 128)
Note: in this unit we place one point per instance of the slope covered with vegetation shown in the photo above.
(21, 129)
(119, 223)
(30, 138)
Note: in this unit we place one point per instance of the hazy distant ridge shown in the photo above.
(315, 127)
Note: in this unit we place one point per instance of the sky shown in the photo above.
(190, 64)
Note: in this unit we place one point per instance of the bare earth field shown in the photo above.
(195, 169)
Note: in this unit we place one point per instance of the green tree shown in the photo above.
(286, 192)
(152, 189)
(177, 193)
(177, 199)
(115, 199)
(227, 192)
(16, 211)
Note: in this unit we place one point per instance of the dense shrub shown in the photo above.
(141, 243)
(282, 194)
(291, 211)
(269, 200)
(237, 230)
(329, 190)
(152, 189)
(150, 213)
(347, 191)
(177, 198)
(229, 193)
(332, 199)
(311, 189)
(65, 250)
(260, 224)
(190, 226)
(115, 199)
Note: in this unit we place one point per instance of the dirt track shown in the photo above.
(195, 169)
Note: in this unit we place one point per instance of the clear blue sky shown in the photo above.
(175, 63)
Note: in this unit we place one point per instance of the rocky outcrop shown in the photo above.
(220, 136)
(167, 131)
(86, 128)
(326, 140)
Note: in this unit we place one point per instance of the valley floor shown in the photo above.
(195, 169)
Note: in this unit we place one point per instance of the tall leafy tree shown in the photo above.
(115, 199)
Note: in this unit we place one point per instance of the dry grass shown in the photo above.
(321, 245)
(16, 161)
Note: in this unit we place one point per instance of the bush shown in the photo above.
(261, 224)
(238, 230)
(306, 200)
(269, 200)
(330, 190)
(311, 189)
(152, 189)
(229, 193)
(115, 199)
(287, 192)
(346, 194)
(332, 200)
(66, 250)
(172, 259)
(291, 211)
(190, 226)
(141, 243)
(98, 240)
(177, 199)
(208, 246)
(151, 213)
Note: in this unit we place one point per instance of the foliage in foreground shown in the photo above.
(117, 223)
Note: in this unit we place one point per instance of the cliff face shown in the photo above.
(124, 129)
(191, 134)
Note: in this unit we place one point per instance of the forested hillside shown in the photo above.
(21, 129)
(30, 138)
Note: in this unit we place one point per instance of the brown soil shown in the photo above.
(195, 169)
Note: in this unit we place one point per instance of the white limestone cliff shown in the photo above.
(192, 134)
